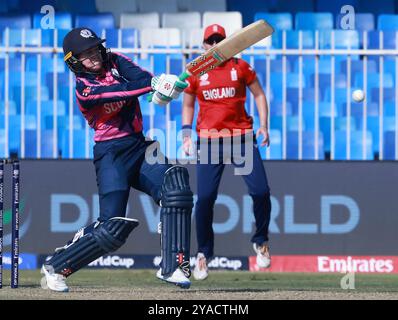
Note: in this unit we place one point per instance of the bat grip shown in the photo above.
(184, 76)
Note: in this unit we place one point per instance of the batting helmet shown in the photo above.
(77, 41)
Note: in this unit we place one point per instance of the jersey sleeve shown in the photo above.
(192, 85)
(131, 71)
(91, 95)
(248, 73)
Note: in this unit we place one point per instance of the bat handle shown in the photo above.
(183, 76)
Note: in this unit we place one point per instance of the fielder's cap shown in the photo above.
(212, 30)
(79, 40)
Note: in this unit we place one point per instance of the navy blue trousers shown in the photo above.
(120, 165)
(208, 180)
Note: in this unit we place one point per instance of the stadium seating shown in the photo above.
(276, 109)
(184, 21)
(279, 21)
(167, 38)
(343, 39)
(117, 7)
(12, 108)
(159, 6)
(83, 7)
(293, 39)
(121, 38)
(195, 38)
(334, 6)
(46, 144)
(356, 146)
(97, 22)
(299, 6)
(203, 5)
(78, 145)
(47, 65)
(2, 143)
(15, 21)
(231, 21)
(274, 151)
(20, 37)
(324, 111)
(3, 7)
(29, 6)
(388, 146)
(378, 7)
(139, 20)
(363, 21)
(308, 146)
(387, 22)
(46, 108)
(63, 20)
(314, 21)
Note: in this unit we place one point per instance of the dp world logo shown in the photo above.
(7, 220)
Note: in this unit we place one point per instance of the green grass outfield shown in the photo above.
(142, 284)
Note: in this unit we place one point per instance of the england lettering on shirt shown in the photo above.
(219, 93)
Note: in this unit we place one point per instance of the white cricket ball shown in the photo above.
(358, 95)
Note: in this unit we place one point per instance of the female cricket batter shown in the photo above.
(107, 89)
(222, 119)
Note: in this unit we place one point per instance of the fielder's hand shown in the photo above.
(187, 146)
(263, 131)
(167, 87)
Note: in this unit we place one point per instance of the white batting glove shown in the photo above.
(160, 99)
(168, 85)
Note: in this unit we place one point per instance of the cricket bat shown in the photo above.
(226, 49)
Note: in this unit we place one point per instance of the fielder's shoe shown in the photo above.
(53, 281)
(263, 256)
(200, 272)
(178, 278)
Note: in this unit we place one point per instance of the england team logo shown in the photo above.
(234, 75)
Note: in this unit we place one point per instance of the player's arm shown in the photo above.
(166, 86)
(131, 71)
(188, 110)
(91, 95)
(262, 107)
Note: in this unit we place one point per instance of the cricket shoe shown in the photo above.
(53, 281)
(178, 278)
(263, 256)
(201, 271)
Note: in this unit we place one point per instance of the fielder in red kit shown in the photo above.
(223, 120)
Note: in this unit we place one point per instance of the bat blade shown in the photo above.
(227, 48)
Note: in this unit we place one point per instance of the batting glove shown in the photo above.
(160, 99)
(168, 85)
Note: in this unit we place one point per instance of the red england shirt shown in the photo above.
(221, 95)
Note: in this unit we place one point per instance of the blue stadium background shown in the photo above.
(376, 25)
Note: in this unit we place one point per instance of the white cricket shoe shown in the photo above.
(201, 271)
(53, 281)
(178, 278)
(263, 256)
